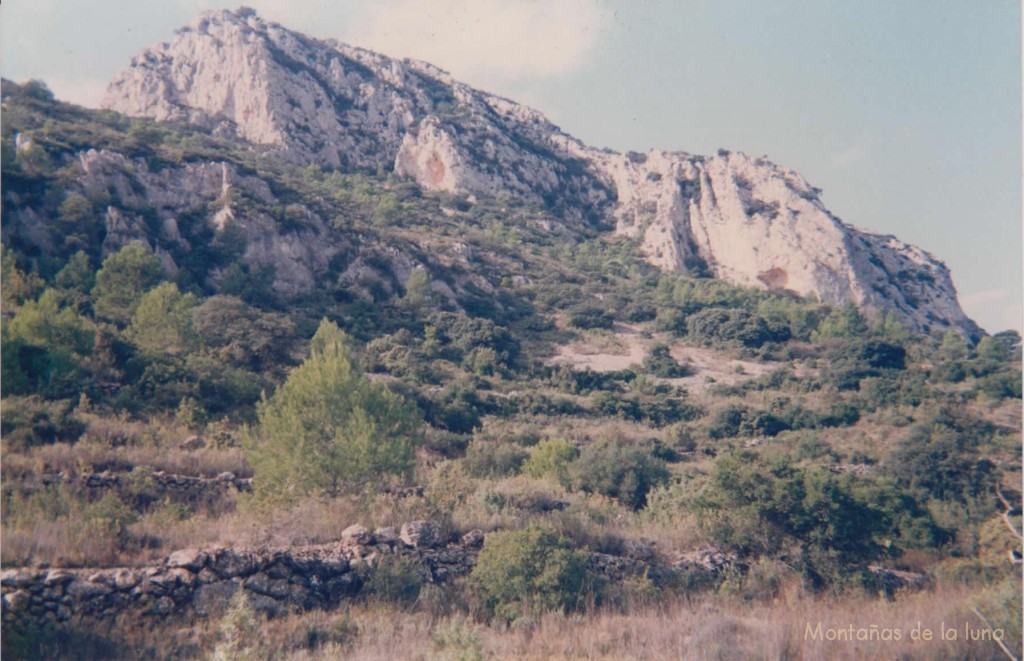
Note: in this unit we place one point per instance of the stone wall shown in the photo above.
(201, 582)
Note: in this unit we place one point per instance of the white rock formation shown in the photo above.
(744, 220)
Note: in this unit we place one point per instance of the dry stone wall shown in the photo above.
(201, 582)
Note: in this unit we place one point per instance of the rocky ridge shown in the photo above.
(744, 220)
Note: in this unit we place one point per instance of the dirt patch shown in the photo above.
(625, 346)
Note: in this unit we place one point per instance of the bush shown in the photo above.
(394, 579)
(486, 459)
(521, 572)
(807, 516)
(660, 362)
(29, 421)
(586, 317)
(551, 458)
(723, 326)
(941, 461)
(619, 471)
(125, 276)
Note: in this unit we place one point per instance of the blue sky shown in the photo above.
(907, 114)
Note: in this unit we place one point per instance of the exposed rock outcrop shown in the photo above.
(744, 220)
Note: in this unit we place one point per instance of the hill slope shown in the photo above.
(746, 221)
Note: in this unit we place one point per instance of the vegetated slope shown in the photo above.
(744, 220)
(157, 278)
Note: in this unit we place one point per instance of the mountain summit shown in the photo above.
(745, 220)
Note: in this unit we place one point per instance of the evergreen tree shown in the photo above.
(126, 275)
(162, 324)
(329, 429)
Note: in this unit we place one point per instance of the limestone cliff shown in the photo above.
(744, 220)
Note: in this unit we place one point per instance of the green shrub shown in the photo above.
(521, 572)
(125, 276)
(941, 461)
(619, 471)
(805, 515)
(551, 458)
(493, 459)
(394, 579)
(29, 421)
(725, 326)
(585, 316)
(660, 362)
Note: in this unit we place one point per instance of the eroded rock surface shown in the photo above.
(747, 221)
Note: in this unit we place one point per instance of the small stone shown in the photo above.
(473, 538)
(356, 535)
(57, 577)
(17, 601)
(192, 559)
(84, 590)
(419, 534)
(125, 579)
(386, 535)
(637, 550)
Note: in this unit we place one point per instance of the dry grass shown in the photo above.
(711, 628)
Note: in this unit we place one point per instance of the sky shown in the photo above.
(907, 114)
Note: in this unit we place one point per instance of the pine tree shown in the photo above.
(329, 429)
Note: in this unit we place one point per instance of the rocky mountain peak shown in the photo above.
(745, 220)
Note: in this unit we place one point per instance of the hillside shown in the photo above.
(743, 220)
(253, 405)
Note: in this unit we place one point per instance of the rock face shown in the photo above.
(751, 222)
(744, 220)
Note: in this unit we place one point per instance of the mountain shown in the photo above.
(744, 220)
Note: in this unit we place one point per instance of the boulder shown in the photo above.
(420, 534)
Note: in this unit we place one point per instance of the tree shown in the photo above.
(45, 345)
(77, 275)
(18, 286)
(842, 323)
(329, 429)
(162, 323)
(125, 276)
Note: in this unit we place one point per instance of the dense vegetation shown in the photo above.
(807, 443)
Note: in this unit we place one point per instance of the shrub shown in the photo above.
(940, 461)
(122, 280)
(807, 516)
(394, 579)
(486, 459)
(519, 572)
(660, 362)
(551, 458)
(734, 326)
(589, 316)
(28, 421)
(619, 471)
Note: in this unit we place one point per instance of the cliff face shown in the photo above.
(751, 222)
(744, 220)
